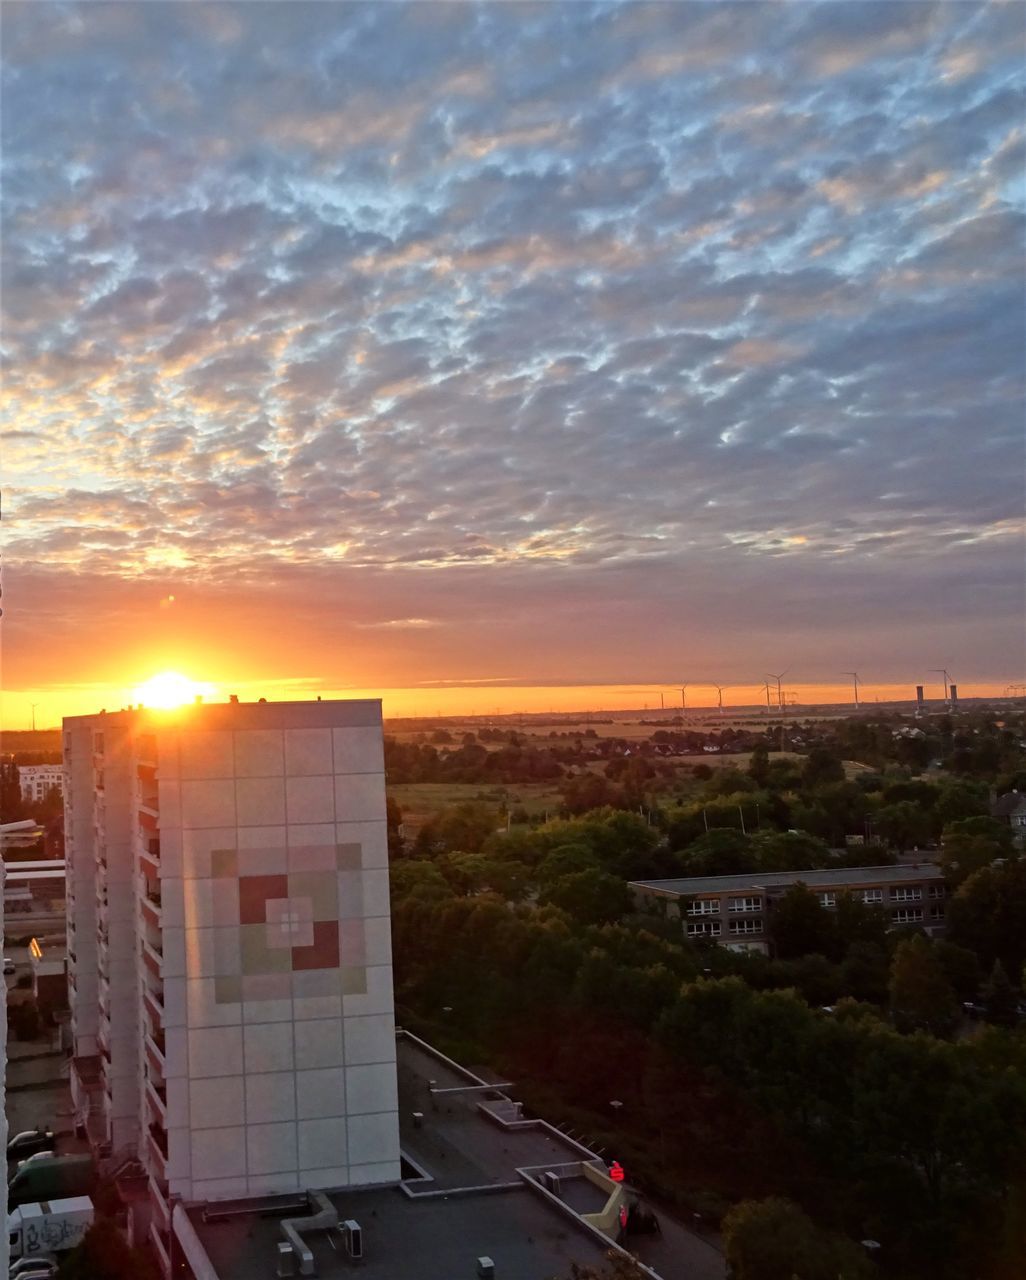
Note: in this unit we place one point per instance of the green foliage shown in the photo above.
(988, 915)
(719, 853)
(789, 851)
(774, 1240)
(104, 1254)
(821, 766)
(999, 998)
(922, 998)
(591, 896)
(903, 824)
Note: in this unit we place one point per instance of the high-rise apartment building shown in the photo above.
(229, 948)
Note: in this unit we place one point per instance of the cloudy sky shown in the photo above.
(390, 346)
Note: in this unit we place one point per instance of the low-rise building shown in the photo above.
(1011, 808)
(37, 780)
(735, 911)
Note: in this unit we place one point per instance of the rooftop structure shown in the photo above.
(734, 911)
(479, 1181)
(229, 949)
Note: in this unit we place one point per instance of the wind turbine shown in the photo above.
(719, 694)
(942, 671)
(766, 686)
(683, 699)
(855, 676)
(778, 678)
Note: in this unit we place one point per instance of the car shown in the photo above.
(9, 967)
(38, 1268)
(29, 1142)
(34, 1159)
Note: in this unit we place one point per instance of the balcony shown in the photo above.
(152, 958)
(157, 1097)
(154, 1006)
(156, 1148)
(150, 904)
(154, 1045)
(160, 1248)
(158, 1199)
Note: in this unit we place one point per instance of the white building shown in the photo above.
(36, 780)
(229, 948)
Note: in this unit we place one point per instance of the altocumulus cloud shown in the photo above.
(583, 305)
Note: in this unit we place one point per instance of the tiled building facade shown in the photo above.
(229, 947)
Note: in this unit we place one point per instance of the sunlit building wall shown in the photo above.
(254, 1002)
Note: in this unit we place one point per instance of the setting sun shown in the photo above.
(170, 689)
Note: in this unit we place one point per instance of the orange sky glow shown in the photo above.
(477, 700)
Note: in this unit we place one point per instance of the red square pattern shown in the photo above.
(254, 891)
(324, 952)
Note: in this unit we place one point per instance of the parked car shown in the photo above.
(33, 1269)
(40, 1155)
(29, 1142)
(9, 966)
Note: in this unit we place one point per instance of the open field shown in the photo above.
(420, 801)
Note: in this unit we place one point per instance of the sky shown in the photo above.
(499, 355)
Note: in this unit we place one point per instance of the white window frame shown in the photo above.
(936, 913)
(704, 907)
(745, 905)
(746, 926)
(704, 929)
(937, 891)
(827, 899)
(908, 915)
(906, 895)
(872, 897)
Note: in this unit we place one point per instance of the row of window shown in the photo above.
(828, 898)
(711, 906)
(914, 915)
(713, 928)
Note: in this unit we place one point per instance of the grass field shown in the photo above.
(420, 801)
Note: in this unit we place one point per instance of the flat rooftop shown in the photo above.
(470, 1203)
(831, 877)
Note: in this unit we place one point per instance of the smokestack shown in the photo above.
(953, 695)
(920, 700)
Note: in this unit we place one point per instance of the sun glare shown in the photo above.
(169, 689)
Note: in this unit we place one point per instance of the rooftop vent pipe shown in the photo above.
(293, 1229)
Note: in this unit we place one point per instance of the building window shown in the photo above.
(937, 891)
(906, 895)
(746, 926)
(744, 904)
(870, 896)
(704, 929)
(908, 915)
(827, 899)
(704, 907)
(936, 913)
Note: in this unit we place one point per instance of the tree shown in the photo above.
(104, 1254)
(962, 854)
(821, 767)
(720, 852)
(592, 897)
(789, 851)
(922, 998)
(999, 998)
(774, 1240)
(902, 824)
(988, 915)
(800, 925)
(758, 765)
